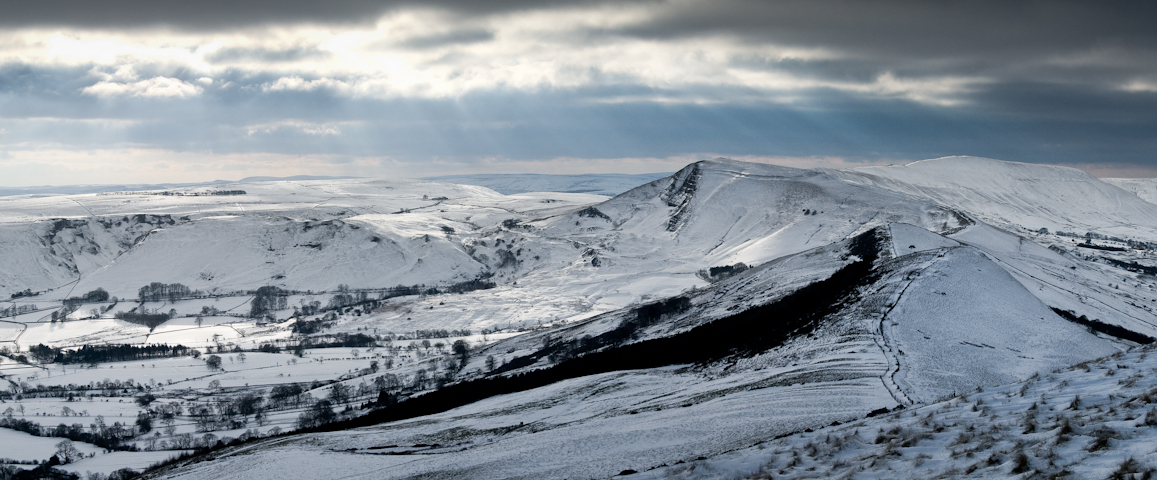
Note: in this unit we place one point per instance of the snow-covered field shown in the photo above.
(22, 446)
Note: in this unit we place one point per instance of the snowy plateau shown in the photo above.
(954, 317)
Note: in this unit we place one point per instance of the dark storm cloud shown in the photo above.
(1054, 82)
(452, 38)
(221, 14)
(1035, 41)
(915, 28)
(269, 55)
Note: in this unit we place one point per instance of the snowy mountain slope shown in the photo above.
(1094, 420)
(1030, 196)
(1146, 188)
(627, 418)
(722, 212)
(1064, 281)
(594, 184)
(963, 322)
(588, 427)
(300, 235)
(679, 412)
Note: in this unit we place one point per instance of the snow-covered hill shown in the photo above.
(306, 235)
(1026, 195)
(45, 190)
(890, 344)
(1146, 188)
(595, 184)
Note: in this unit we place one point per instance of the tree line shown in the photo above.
(159, 292)
(94, 296)
(89, 354)
(98, 433)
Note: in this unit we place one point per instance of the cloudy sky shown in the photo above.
(117, 91)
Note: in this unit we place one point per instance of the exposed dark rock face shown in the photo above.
(679, 194)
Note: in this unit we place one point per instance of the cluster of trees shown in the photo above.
(1132, 266)
(73, 304)
(481, 283)
(437, 333)
(652, 312)
(15, 310)
(91, 354)
(385, 386)
(269, 348)
(48, 470)
(171, 193)
(98, 433)
(95, 296)
(306, 327)
(43, 353)
(26, 293)
(1101, 247)
(319, 414)
(345, 297)
(14, 356)
(74, 393)
(267, 299)
(1089, 236)
(311, 308)
(341, 340)
(158, 292)
(1095, 325)
(229, 412)
(286, 395)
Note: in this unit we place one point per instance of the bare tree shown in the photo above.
(339, 393)
(461, 349)
(67, 453)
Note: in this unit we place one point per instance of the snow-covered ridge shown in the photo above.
(83, 189)
(297, 234)
(594, 184)
(1029, 195)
